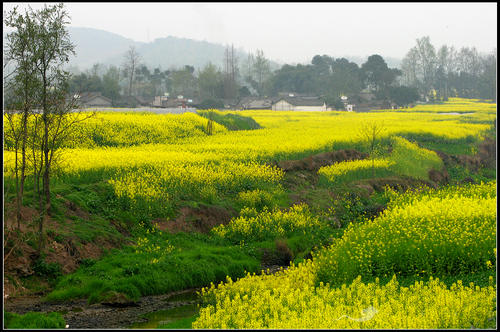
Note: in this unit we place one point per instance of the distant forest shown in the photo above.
(426, 73)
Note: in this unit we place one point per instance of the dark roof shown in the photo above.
(302, 101)
(85, 97)
(255, 103)
(144, 100)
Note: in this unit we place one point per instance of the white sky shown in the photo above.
(295, 32)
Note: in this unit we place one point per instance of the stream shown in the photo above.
(149, 312)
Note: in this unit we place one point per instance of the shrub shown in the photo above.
(267, 225)
(50, 270)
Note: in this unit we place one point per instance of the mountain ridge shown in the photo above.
(108, 48)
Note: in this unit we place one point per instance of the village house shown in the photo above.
(366, 101)
(144, 101)
(302, 103)
(92, 99)
(255, 103)
(179, 102)
(160, 101)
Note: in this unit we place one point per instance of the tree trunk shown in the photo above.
(18, 199)
(23, 163)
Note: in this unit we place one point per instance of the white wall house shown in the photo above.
(304, 104)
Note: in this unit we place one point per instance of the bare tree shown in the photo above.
(132, 59)
(446, 65)
(22, 86)
(427, 60)
(261, 69)
(230, 72)
(409, 67)
(371, 133)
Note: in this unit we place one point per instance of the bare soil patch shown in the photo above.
(485, 157)
(201, 219)
(20, 252)
(315, 162)
(396, 183)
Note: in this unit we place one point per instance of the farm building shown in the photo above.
(160, 101)
(292, 103)
(252, 103)
(93, 99)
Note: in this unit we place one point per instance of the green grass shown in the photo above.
(183, 323)
(230, 120)
(34, 320)
(408, 159)
(195, 261)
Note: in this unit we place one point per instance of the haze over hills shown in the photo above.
(100, 46)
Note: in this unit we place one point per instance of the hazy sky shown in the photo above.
(294, 32)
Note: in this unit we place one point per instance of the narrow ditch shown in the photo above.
(148, 312)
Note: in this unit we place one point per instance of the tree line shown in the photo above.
(238, 78)
(424, 74)
(439, 74)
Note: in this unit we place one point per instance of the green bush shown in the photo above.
(253, 225)
(44, 269)
(230, 121)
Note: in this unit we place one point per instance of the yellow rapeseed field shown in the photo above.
(290, 300)
(426, 232)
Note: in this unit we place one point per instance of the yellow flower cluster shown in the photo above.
(205, 180)
(289, 300)
(355, 170)
(455, 105)
(409, 159)
(256, 226)
(406, 158)
(168, 157)
(431, 233)
(156, 249)
(277, 140)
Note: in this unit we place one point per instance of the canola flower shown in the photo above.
(355, 170)
(406, 159)
(257, 226)
(455, 105)
(151, 158)
(289, 300)
(429, 233)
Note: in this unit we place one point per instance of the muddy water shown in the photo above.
(185, 305)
